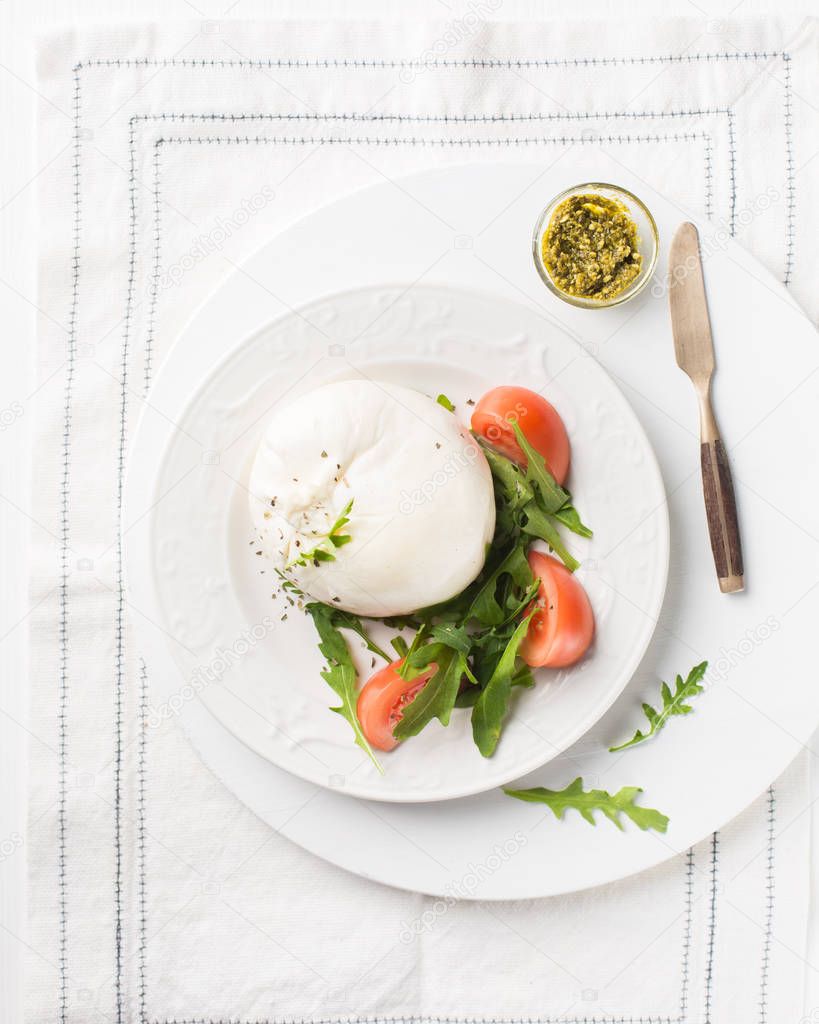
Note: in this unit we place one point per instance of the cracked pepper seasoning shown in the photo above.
(590, 248)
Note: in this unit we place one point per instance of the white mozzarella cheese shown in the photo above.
(422, 508)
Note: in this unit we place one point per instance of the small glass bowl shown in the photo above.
(648, 242)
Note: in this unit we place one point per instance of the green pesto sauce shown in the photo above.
(590, 248)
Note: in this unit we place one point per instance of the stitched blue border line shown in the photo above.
(461, 119)
(712, 929)
(119, 626)
(157, 206)
(62, 624)
(569, 115)
(769, 908)
(142, 910)
(790, 172)
(63, 683)
(430, 143)
(732, 171)
(509, 118)
(417, 1019)
(687, 928)
(442, 62)
(693, 58)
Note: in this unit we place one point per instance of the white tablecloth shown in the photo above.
(154, 894)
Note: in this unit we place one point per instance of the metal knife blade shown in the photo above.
(690, 324)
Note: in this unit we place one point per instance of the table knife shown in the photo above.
(694, 349)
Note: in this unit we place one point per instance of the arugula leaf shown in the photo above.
(410, 660)
(509, 477)
(340, 672)
(346, 620)
(487, 651)
(453, 636)
(400, 645)
(343, 518)
(532, 498)
(553, 496)
(445, 402)
(422, 652)
(437, 698)
(466, 698)
(586, 802)
(539, 524)
(673, 704)
(401, 621)
(515, 605)
(570, 517)
(320, 553)
(553, 499)
(523, 676)
(492, 705)
(511, 494)
(485, 606)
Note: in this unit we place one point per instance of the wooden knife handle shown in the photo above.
(721, 509)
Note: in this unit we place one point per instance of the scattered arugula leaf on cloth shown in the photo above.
(673, 704)
(623, 802)
(588, 801)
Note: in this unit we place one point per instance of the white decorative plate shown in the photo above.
(761, 704)
(197, 565)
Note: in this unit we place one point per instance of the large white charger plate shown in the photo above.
(195, 561)
(760, 707)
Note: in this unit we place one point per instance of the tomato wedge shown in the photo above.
(540, 422)
(563, 625)
(382, 701)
